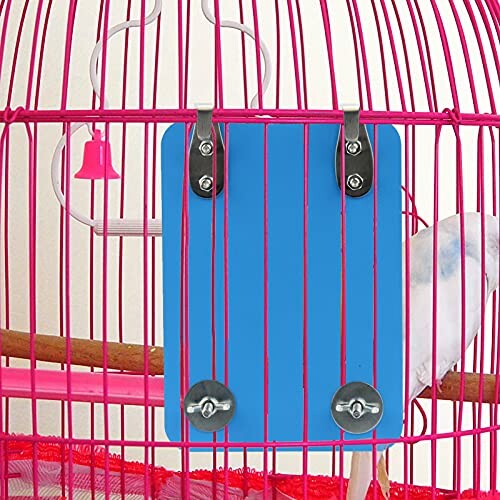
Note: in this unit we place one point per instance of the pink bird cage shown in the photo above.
(204, 286)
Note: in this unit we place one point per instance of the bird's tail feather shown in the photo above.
(361, 474)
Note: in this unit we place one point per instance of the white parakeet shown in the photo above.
(449, 310)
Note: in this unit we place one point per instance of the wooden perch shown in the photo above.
(130, 358)
(84, 352)
(450, 388)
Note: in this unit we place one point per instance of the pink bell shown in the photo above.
(93, 160)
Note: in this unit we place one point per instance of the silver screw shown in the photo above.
(353, 148)
(206, 183)
(208, 409)
(206, 148)
(356, 409)
(355, 182)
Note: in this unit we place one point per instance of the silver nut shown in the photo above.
(355, 182)
(206, 183)
(206, 148)
(353, 148)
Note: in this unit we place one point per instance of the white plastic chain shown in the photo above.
(129, 227)
(248, 31)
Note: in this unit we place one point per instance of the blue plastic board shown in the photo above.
(285, 258)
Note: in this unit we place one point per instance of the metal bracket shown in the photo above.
(358, 155)
(209, 405)
(357, 407)
(201, 154)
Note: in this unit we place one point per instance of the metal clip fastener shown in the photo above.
(209, 405)
(357, 407)
(358, 155)
(351, 122)
(204, 143)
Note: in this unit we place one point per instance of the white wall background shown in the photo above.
(201, 89)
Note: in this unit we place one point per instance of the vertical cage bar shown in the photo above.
(121, 250)
(343, 295)
(305, 305)
(226, 297)
(213, 320)
(105, 253)
(407, 460)
(375, 297)
(185, 314)
(257, 54)
(435, 311)
(266, 306)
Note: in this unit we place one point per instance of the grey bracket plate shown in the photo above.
(206, 143)
(358, 157)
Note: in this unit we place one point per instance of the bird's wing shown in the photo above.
(449, 318)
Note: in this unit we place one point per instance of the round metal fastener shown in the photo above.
(353, 148)
(206, 148)
(355, 182)
(209, 405)
(357, 407)
(206, 183)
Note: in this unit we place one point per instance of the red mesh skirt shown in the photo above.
(126, 479)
